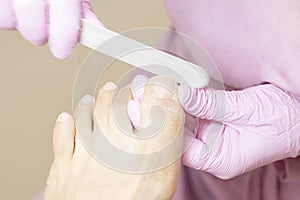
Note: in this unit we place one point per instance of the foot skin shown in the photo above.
(75, 174)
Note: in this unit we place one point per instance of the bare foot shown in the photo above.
(75, 174)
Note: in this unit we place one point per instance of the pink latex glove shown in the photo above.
(252, 127)
(42, 21)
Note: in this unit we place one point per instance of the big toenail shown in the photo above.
(87, 99)
(63, 117)
(109, 86)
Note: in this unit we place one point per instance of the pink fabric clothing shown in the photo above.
(251, 42)
(262, 183)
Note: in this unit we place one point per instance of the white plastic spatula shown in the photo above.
(140, 55)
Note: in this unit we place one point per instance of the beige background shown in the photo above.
(35, 88)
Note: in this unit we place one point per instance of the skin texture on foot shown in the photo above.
(75, 174)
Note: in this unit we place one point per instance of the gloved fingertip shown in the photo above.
(39, 42)
(62, 46)
(64, 26)
(133, 109)
(60, 54)
(30, 21)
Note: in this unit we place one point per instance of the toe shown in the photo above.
(84, 125)
(159, 91)
(119, 110)
(160, 110)
(104, 104)
(160, 88)
(84, 114)
(63, 137)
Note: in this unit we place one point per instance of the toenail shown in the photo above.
(63, 117)
(109, 86)
(87, 99)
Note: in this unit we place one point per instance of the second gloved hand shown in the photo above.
(53, 21)
(235, 131)
(239, 131)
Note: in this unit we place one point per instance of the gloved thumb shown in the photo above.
(202, 103)
(223, 106)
